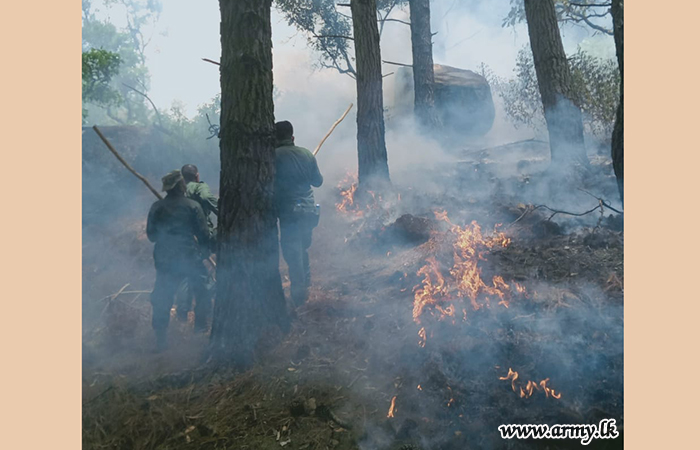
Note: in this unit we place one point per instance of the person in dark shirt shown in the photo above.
(179, 230)
(296, 172)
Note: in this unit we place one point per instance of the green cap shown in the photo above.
(171, 180)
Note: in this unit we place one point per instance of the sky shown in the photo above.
(469, 32)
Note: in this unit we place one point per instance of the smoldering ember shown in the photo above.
(399, 229)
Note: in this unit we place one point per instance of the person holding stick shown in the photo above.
(178, 228)
(296, 172)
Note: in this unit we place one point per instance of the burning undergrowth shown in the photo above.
(422, 329)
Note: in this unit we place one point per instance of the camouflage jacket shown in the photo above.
(179, 230)
(201, 193)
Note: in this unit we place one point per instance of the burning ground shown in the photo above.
(435, 316)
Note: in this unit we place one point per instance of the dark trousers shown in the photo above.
(168, 281)
(295, 237)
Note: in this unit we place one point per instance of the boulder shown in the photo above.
(462, 97)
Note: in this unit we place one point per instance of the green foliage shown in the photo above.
(595, 86)
(130, 44)
(587, 12)
(328, 28)
(99, 66)
(192, 139)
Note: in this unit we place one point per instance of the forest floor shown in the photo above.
(363, 367)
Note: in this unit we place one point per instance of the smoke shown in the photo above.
(577, 343)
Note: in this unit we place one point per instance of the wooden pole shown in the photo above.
(126, 164)
(131, 169)
(332, 128)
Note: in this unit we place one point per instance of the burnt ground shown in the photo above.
(354, 346)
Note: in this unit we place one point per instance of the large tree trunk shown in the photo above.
(373, 169)
(249, 296)
(563, 116)
(618, 144)
(423, 76)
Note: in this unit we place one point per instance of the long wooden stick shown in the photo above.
(332, 128)
(211, 61)
(131, 169)
(126, 164)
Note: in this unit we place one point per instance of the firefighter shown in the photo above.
(200, 192)
(178, 227)
(296, 172)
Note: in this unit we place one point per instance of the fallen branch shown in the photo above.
(532, 208)
(602, 201)
(488, 149)
(114, 296)
(318, 147)
(126, 164)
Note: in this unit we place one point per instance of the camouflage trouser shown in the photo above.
(167, 283)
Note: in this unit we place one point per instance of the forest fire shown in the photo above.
(392, 408)
(444, 297)
(349, 203)
(530, 387)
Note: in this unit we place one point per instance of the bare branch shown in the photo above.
(349, 71)
(592, 25)
(397, 64)
(591, 5)
(160, 122)
(383, 20)
(395, 20)
(333, 36)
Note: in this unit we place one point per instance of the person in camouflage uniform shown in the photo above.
(296, 172)
(200, 192)
(179, 230)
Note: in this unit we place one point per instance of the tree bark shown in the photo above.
(249, 296)
(618, 144)
(423, 75)
(373, 168)
(562, 114)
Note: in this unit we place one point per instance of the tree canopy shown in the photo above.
(592, 13)
(328, 28)
(132, 82)
(99, 66)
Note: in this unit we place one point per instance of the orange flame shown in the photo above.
(423, 337)
(530, 387)
(444, 297)
(392, 408)
(348, 203)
